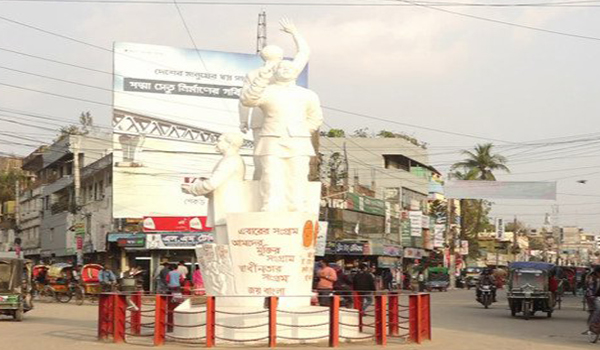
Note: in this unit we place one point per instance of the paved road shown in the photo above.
(460, 323)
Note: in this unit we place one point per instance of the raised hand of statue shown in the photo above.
(244, 128)
(186, 188)
(288, 26)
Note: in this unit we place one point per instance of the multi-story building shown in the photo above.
(73, 219)
(373, 187)
(30, 205)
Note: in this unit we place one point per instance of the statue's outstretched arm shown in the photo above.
(219, 176)
(302, 49)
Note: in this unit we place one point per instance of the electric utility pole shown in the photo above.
(261, 33)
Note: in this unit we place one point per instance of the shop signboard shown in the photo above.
(416, 220)
(366, 204)
(321, 238)
(175, 224)
(413, 253)
(182, 240)
(388, 262)
(405, 230)
(136, 241)
(392, 250)
(348, 248)
(438, 235)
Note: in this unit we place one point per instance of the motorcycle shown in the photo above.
(486, 296)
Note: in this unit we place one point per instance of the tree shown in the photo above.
(8, 181)
(336, 133)
(362, 132)
(479, 164)
(86, 124)
(482, 163)
(336, 170)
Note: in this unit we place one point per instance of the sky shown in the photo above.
(451, 76)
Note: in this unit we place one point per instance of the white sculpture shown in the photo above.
(271, 55)
(291, 113)
(224, 186)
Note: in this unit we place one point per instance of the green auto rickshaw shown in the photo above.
(15, 287)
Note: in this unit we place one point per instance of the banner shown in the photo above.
(170, 106)
(416, 219)
(462, 189)
(464, 247)
(177, 240)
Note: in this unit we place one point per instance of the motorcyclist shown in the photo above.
(486, 278)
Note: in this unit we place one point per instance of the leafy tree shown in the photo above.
(336, 133)
(336, 170)
(363, 132)
(479, 164)
(482, 162)
(86, 124)
(8, 180)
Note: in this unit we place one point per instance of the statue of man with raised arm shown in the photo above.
(271, 55)
(290, 114)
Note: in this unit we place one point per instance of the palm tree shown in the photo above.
(481, 162)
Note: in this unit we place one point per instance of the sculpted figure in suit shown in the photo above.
(224, 186)
(290, 113)
(272, 55)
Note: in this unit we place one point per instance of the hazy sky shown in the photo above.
(409, 64)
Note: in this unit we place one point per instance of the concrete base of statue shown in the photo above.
(308, 324)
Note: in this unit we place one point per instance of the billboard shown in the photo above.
(170, 106)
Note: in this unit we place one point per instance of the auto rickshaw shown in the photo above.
(438, 279)
(59, 277)
(528, 288)
(15, 287)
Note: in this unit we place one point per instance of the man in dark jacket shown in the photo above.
(364, 284)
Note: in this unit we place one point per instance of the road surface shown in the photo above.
(460, 323)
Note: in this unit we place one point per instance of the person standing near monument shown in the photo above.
(291, 113)
(327, 277)
(271, 55)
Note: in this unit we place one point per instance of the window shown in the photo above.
(52, 235)
(96, 191)
(412, 199)
(90, 193)
(101, 189)
(396, 161)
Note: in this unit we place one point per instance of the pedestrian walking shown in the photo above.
(161, 279)
(327, 278)
(174, 280)
(198, 282)
(364, 285)
(183, 270)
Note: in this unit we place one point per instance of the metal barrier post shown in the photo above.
(358, 306)
(381, 319)
(427, 315)
(210, 322)
(273, 321)
(393, 315)
(170, 312)
(105, 310)
(334, 322)
(160, 315)
(412, 318)
(419, 319)
(119, 318)
(136, 315)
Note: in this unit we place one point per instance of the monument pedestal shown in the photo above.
(308, 324)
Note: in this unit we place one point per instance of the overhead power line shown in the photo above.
(315, 4)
